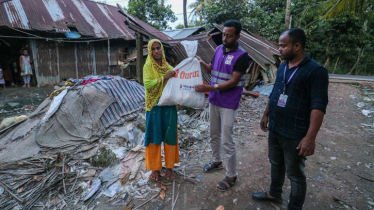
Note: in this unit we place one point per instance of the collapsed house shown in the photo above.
(66, 39)
(61, 133)
(84, 141)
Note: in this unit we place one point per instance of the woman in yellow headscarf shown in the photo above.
(161, 121)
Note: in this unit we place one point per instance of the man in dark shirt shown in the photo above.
(293, 116)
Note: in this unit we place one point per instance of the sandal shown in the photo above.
(224, 185)
(212, 166)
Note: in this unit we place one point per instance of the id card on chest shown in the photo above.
(282, 100)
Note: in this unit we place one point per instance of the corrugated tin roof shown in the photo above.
(90, 18)
(172, 33)
(183, 33)
(258, 48)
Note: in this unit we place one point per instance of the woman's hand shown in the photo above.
(199, 59)
(169, 75)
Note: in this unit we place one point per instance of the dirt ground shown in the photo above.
(21, 101)
(340, 175)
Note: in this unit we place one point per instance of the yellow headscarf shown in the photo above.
(153, 76)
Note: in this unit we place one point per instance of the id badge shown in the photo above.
(282, 100)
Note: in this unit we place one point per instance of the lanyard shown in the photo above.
(289, 79)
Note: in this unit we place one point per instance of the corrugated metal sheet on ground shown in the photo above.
(130, 98)
(90, 18)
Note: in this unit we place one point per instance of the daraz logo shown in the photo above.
(184, 75)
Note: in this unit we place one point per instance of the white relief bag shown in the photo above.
(180, 90)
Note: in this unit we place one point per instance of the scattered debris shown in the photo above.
(199, 178)
(361, 104)
(13, 104)
(112, 189)
(264, 89)
(7, 122)
(95, 186)
(343, 203)
(367, 113)
(162, 194)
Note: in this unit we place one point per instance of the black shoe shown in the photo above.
(263, 196)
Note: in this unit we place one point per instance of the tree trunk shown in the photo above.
(288, 15)
(360, 54)
(336, 64)
(139, 59)
(185, 13)
(327, 63)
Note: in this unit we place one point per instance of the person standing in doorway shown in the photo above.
(293, 116)
(15, 72)
(228, 69)
(2, 80)
(26, 70)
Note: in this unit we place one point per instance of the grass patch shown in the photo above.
(104, 158)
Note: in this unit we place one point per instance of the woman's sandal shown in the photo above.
(224, 186)
(212, 166)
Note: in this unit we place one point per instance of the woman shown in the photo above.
(26, 70)
(161, 121)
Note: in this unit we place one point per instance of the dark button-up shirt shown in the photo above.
(307, 90)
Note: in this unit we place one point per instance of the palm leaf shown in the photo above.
(333, 8)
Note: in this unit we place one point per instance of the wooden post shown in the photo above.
(139, 58)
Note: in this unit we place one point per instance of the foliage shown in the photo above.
(220, 11)
(179, 26)
(104, 158)
(153, 12)
(339, 32)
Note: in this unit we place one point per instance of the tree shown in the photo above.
(198, 8)
(347, 31)
(153, 12)
(185, 13)
(220, 11)
(333, 8)
(288, 15)
(339, 32)
(179, 26)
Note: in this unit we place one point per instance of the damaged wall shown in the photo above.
(55, 61)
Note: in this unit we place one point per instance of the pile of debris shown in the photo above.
(365, 102)
(84, 143)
